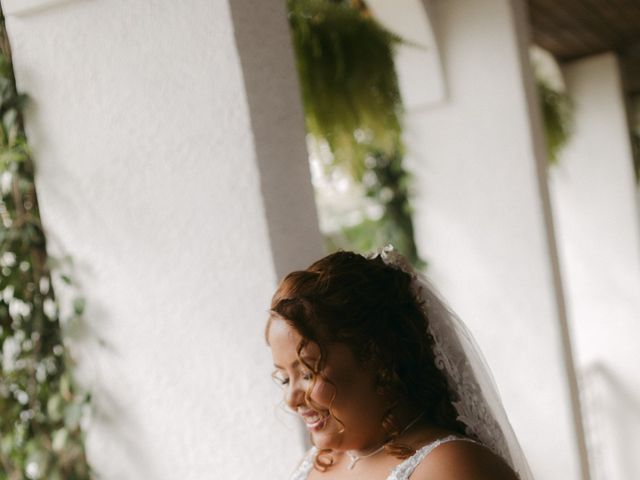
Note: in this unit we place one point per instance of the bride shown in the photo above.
(387, 380)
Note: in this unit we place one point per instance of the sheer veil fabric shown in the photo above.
(477, 401)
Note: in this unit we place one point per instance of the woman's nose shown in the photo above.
(294, 394)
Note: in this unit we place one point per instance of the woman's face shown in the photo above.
(352, 388)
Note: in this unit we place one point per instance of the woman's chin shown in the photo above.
(326, 439)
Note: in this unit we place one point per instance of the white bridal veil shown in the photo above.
(477, 402)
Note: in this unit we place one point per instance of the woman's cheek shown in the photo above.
(323, 393)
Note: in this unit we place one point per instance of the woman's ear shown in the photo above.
(383, 381)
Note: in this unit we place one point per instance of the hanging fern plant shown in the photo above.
(41, 408)
(349, 88)
(352, 103)
(557, 112)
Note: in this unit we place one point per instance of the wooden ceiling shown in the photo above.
(572, 29)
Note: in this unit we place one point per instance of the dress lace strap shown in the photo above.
(303, 470)
(404, 470)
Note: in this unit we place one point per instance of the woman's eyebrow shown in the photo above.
(293, 365)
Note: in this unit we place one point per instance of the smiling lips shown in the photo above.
(314, 420)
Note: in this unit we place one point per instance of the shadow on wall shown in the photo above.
(612, 416)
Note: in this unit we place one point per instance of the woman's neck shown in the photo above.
(406, 420)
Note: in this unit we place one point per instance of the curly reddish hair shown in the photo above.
(369, 306)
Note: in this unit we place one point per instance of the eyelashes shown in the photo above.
(282, 380)
(279, 379)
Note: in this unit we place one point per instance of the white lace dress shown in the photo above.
(400, 472)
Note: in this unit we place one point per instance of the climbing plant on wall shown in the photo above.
(353, 107)
(41, 407)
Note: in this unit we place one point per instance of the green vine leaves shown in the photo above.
(42, 409)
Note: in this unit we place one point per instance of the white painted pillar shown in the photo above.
(598, 232)
(484, 224)
(172, 166)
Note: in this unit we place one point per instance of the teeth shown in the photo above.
(314, 419)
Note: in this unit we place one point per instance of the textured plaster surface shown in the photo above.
(147, 175)
(481, 222)
(26, 7)
(594, 191)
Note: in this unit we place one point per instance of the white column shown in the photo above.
(484, 223)
(182, 194)
(598, 231)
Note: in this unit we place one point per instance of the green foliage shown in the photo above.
(557, 115)
(41, 408)
(352, 104)
(349, 86)
(388, 185)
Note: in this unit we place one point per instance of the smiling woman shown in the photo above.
(356, 352)
(334, 421)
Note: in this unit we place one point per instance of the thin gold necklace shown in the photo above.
(356, 458)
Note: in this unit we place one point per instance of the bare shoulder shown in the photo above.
(461, 460)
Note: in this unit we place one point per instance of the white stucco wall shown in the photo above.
(598, 230)
(483, 221)
(151, 158)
